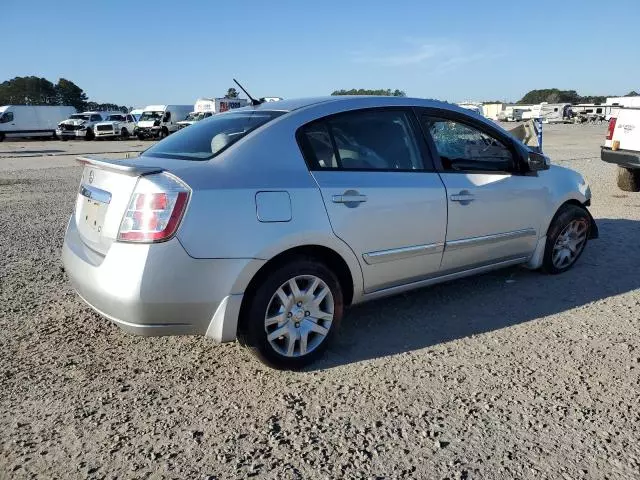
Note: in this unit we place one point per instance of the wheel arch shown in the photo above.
(330, 257)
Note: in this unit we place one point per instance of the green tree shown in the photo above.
(68, 93)
(27, 91)
(361, 91)
(551, 95)
(231, 93)
(632, 93)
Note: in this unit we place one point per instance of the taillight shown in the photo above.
(155, 209)
(612, 127)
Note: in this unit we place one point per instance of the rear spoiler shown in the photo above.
(120, 166)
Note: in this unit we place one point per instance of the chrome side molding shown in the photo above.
(382, 256)
(489, 239)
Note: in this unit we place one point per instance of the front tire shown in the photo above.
(124, 134)
(293, 314)
(89, 135)
(628, 179)
(566, 239)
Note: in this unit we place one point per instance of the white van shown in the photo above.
(158, 121)
(31, 121)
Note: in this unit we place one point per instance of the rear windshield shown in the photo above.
(205, 139)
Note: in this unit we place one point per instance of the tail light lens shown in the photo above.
(612, 127)
(155, 209)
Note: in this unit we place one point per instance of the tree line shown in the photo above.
(554, 95)
(40, 91)
(362, 91)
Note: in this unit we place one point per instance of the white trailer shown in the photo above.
(31, 120)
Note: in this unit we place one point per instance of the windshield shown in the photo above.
(151, 116)
(116, 118)
(204, 140)
(79, 116)
(191, 117)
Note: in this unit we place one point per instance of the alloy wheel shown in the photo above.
(570, 243)
(299, 316)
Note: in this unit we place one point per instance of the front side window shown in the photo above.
(116, 118)
(7, 117)
(463, 148)
(364, 140)
(205, 139)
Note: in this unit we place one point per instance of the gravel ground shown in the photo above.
(513, 374)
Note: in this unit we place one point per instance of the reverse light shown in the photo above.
(612, 127)
(155, 209)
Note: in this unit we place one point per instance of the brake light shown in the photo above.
(612, 127)
(155, 209)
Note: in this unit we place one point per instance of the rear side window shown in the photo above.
(205, 139)
(362, 140)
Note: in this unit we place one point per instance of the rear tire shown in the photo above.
(306, 322)
(628, 179)
(567, 238)
(140, 137)
(1, 137)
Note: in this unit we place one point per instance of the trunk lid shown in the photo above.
(104, 193)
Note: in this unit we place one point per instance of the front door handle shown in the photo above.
(351, 198)
(464, 197)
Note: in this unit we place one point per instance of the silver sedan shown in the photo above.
(264, 223)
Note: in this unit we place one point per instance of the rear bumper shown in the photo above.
(158, 289)
(624, 158)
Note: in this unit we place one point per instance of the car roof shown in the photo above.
(351, 101)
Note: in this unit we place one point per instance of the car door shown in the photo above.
(382, 195)
(495, 211)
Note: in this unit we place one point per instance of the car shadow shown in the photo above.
(500, 299)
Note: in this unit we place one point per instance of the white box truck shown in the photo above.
(206, 107)
(31, 120)
(158, 121)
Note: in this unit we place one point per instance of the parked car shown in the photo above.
(159, 121)
(31, 121)
(81, 125)
(117, 125)
(264, 223)
(622, 147)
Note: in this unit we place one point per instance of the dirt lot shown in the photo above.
(510, 375)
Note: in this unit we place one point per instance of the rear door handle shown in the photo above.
(464, 197)
(349, 197)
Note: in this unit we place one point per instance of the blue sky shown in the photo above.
(139, 52)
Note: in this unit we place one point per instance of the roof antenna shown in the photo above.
(254, 102)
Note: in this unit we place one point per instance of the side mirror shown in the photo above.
(537, 161)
